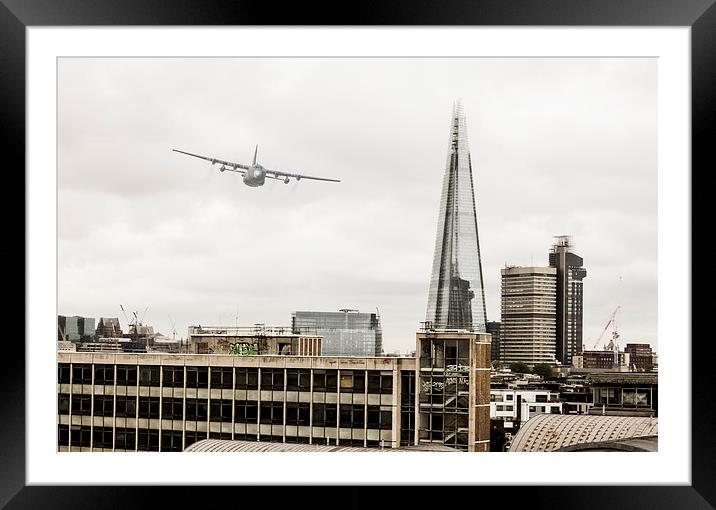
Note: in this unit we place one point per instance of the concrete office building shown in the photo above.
(570, 274)
(166, 402)
(345, 332)
(456, 297)
(527, 331)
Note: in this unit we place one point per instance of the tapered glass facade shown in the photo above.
(456, 299)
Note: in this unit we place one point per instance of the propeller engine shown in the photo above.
(286, 180)
(298, 177)
(223, 168)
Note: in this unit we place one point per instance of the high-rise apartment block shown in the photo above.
(570, 274)
(529, 315)
(456, 298)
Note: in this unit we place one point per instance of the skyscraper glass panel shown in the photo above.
(345, 333)
(456, 299)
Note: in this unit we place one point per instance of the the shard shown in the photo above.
(456, 299)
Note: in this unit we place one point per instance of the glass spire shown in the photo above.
(456, 299)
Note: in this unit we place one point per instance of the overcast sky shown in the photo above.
(559, 146)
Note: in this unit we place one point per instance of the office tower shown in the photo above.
(528, 327)
(75, 328)
(345, 333)
(494, 329)
(570, 274)
(456, 298)
(641, 357)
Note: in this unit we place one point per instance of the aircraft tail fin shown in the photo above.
(255, 151)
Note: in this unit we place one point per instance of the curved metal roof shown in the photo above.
(550, 432)
(226, 445)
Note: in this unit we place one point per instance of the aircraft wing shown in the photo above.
(278, 174)
(228, 165)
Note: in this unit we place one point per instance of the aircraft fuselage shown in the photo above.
(255, 176)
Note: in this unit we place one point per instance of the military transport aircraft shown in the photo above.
(255, 174)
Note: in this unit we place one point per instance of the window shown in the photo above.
(197, 377)
(82, 405)
(220, 435)
(126, 407)
(191, 437)
(63, 373)
(80, 436)
(352, 416)
(352, 381)
(149, 407)
(172, 408)
(380, 382)
(272, 378)
(103, 405)
(541, 398)
(63, 403)
(126, 375)
(104, 374)
(272, 412)
(220, 410)
(298, 379)
(197, 409)
(173, 377)
(325, 380)
(125, 439)
(63, 435)
(509, 396)
(148, 440)
(171, 441)
(247, 378)
(149, 375)
(324, 415)
(297, 413)
(246, 411)
(380, 417)
(222, 378)
(102, 437)
(81, 374)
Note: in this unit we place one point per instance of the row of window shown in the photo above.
(351, 381)
(297, 413)
(171, 440)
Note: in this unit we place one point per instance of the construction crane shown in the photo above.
(611, 319)
(174, 328)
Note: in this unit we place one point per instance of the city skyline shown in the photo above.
(195, 245)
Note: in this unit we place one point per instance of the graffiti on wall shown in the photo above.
(243, 349)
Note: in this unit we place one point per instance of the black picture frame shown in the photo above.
(700, 15)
